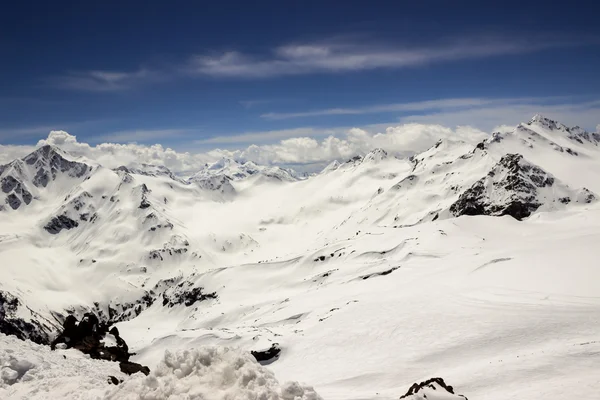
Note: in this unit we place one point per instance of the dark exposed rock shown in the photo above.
(588, 196)
(382, 273)
(59, 223)
(171, 293)
(9, 183)
(27, 197)
(11, 323)
(87, 336)
(267, 356)
(114, 380)
(437, 384)
(184, 294)
(130, 368)
(514, 181)
(13, 201)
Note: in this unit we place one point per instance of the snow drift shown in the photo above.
(30, 371)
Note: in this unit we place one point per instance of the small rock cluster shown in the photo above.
(90, 336)
(421, 390)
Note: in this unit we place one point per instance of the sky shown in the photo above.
(198, 76)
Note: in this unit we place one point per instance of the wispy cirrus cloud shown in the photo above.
(336, 56)
(439, 104)
(104, 81)
(254, 103)
(143, 135)
(325, 56)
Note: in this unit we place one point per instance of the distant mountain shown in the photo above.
(151, 170)
(374, 156)
(236, 171)
(24, 179)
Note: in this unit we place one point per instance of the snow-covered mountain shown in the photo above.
(474, 263)
(46, 169)
(233, 170)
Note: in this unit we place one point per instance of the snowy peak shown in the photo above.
(48, 161)
(375, 155)
(335, 164)
(151, 170)
(21, 179)
(545, 122)
(517, 188)
(215, 183)
(237, 171)
(574, 133)
(372, 157)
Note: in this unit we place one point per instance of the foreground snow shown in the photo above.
(30, 371)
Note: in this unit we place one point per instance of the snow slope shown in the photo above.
(372, 275)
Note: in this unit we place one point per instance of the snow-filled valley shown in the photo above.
(474, 262)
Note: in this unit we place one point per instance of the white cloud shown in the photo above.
(112, 155)
(301, 151)
(332, 56)
(270, 136)
(12, 152)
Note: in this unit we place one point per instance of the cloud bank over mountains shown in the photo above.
(302, 152)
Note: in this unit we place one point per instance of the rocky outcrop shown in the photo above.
(432, 389)
(17, 192)
(59, 223)
(13, 322)
(267, 356)
(144, 203)
(90, 336)
(171, 293)
(185, 294)
(514, 187)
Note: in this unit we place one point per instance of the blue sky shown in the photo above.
(200, 75)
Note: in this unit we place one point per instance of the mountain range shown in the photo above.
(470, 261)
